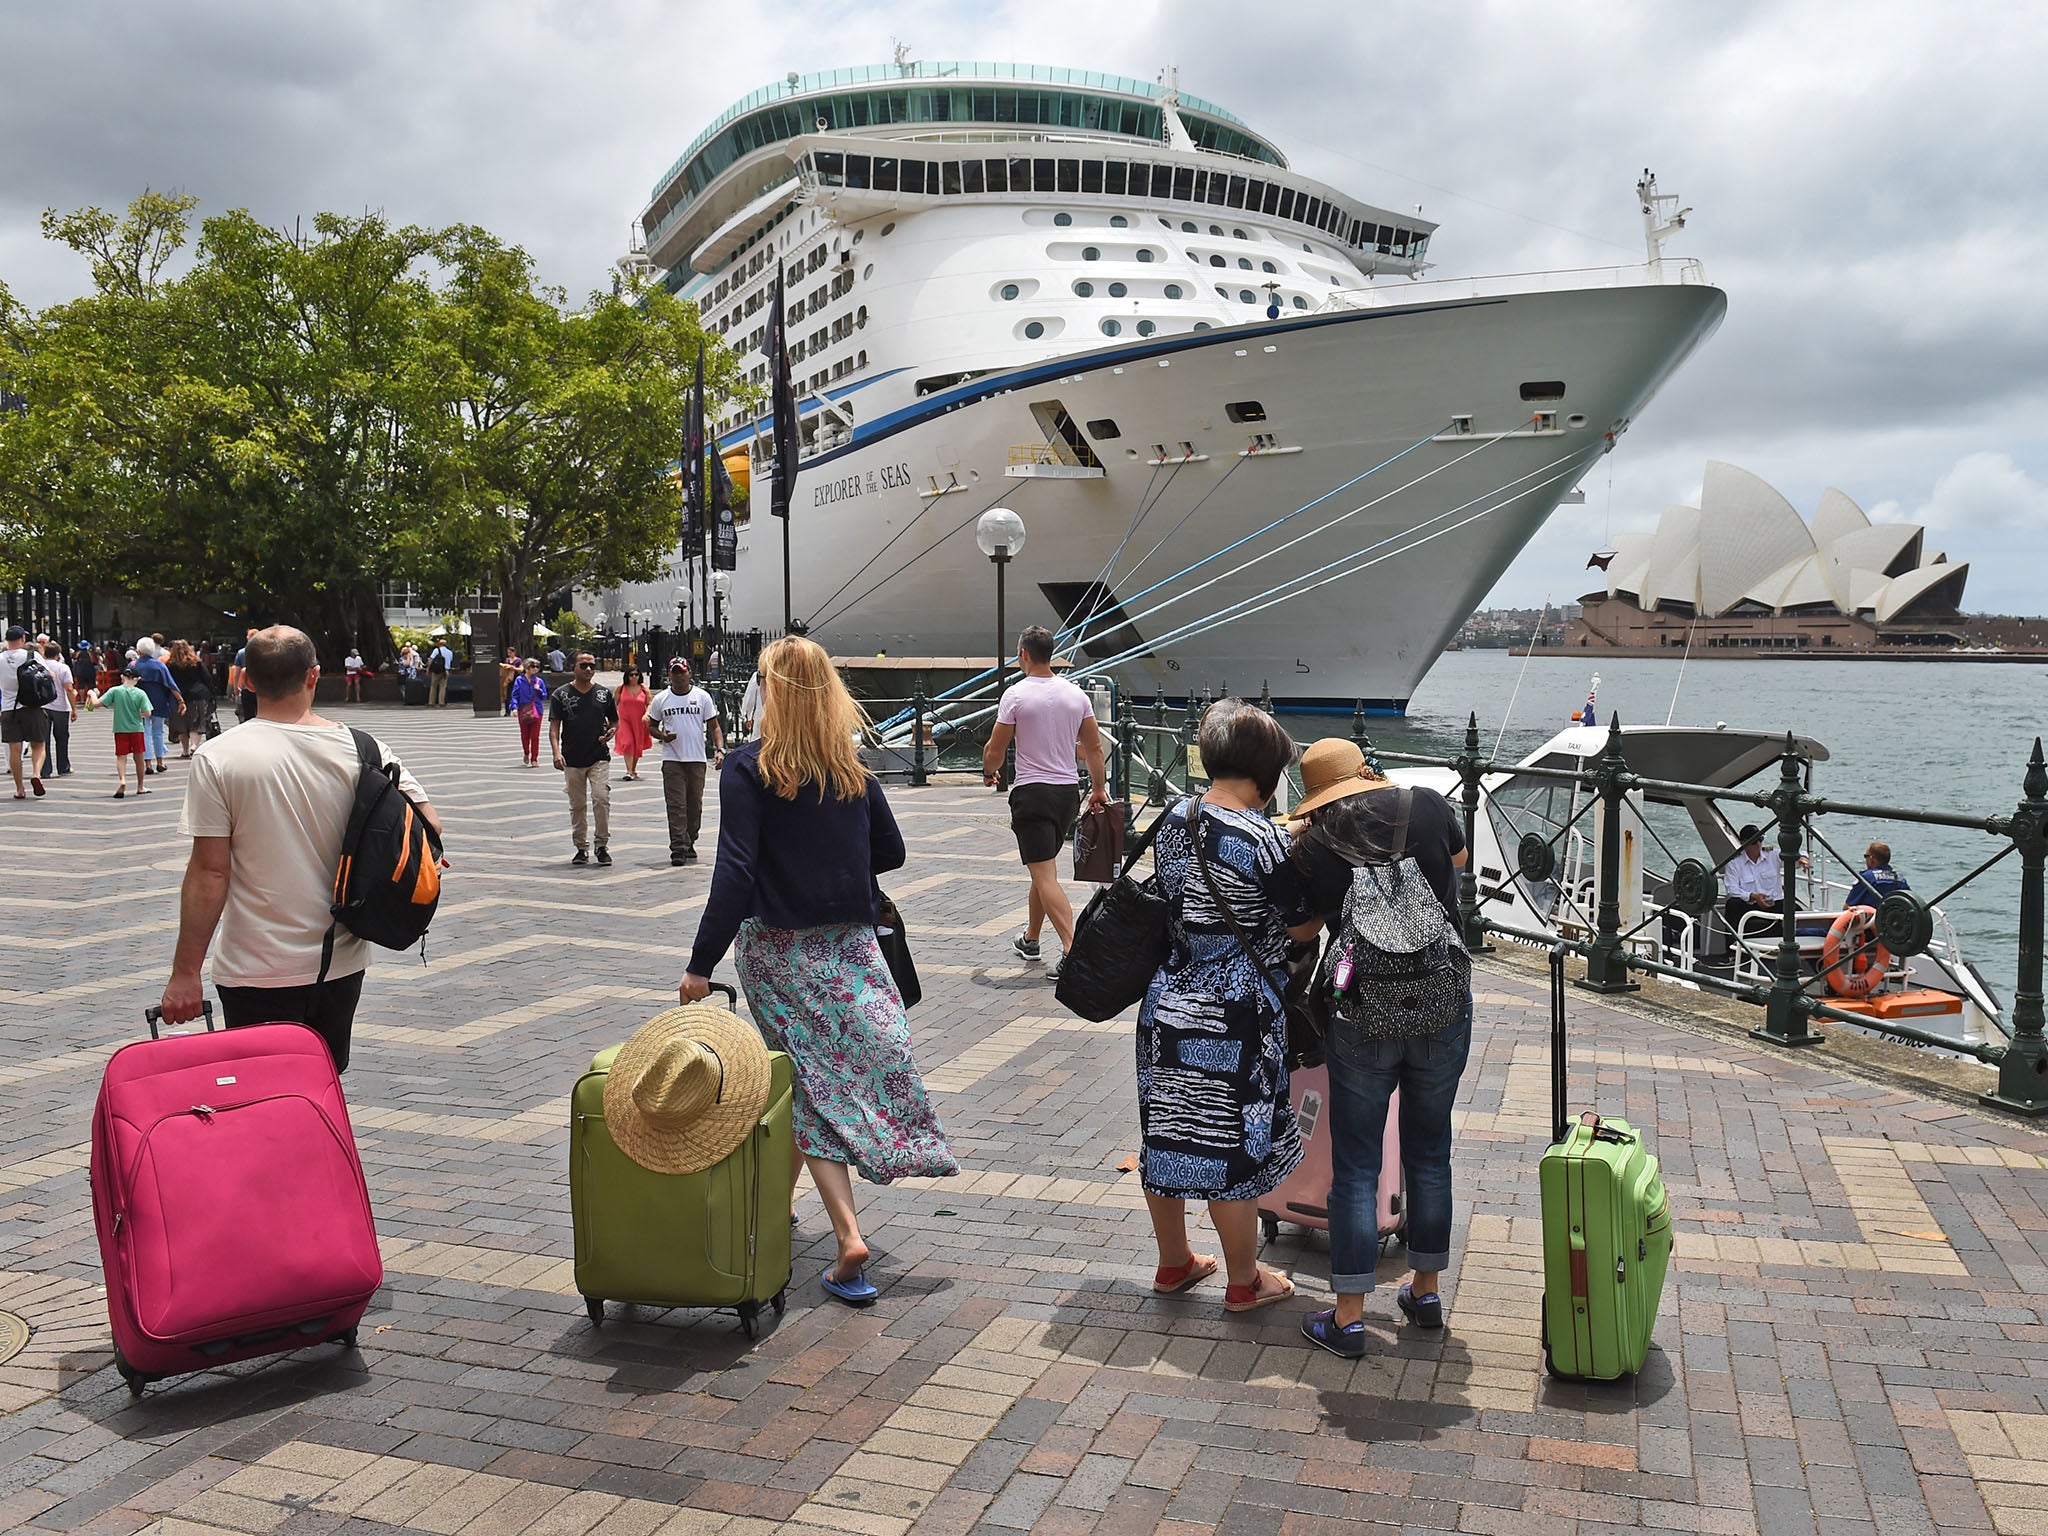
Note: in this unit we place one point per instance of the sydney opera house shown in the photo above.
(1744, 570)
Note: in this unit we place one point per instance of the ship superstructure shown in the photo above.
(1115, 309)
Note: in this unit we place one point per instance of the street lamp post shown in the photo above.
(1000, 533)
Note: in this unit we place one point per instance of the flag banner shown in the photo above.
(725, 537)
(693, 468)
(783, 402)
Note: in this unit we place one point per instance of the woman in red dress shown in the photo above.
(633, 737)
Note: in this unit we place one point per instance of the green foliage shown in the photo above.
(308, 410)
(570, 625)
(415, 635)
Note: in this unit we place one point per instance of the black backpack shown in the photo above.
(437, 663)
(1397, 967)
(36, 686)
(388, 880)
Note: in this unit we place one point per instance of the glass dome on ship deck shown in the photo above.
(940, 92)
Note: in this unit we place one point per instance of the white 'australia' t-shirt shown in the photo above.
(10, 662)
(281, 795)
(689, 715)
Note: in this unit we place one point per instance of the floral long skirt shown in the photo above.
(823, 997)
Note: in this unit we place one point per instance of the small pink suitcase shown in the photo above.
(1303, 1197)
(233, 1217)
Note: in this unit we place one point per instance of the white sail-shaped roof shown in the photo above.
(1747, 531)
(1918, 586)
(1674, 574)
(1835, 516)
(1744, 543)
(1887, 548)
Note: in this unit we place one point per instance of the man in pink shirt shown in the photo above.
(1049, 719)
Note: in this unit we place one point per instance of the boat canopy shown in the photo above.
(1719, 756)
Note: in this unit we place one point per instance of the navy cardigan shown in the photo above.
(801, 863)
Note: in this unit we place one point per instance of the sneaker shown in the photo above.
(679, 858)
(1423, 1311)
(1053, 975)
(1321, 1330)
(604, 854)
(690, 856)
(581, 857)
(1027, 949)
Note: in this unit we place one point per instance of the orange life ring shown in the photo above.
(1869, 962)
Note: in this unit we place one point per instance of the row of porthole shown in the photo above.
(1116, 221)
(1038, 330)
(1244, 262)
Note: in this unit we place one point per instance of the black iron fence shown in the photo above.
(1158, 756)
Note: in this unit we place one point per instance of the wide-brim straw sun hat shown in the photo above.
(1331, 769)
(687, 1089)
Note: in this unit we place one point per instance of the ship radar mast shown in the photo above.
(1177, 135)
(1662, 217)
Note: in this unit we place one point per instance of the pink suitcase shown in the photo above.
(232, 1213)
(1303, 1197)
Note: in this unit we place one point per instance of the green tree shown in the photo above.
(564, 430)
(307, 410)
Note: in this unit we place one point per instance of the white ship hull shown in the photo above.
(1341, 392)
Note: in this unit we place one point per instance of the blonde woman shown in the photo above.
(803, 831)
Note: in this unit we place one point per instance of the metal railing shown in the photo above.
(1156, 741)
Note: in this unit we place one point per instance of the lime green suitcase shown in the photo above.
(1606, 1233)
(719, 1238)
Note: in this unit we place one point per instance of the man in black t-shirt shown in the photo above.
(581, 719)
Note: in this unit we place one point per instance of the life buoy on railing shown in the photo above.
(1869, 960)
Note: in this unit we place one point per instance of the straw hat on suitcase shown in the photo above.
(686, 1090)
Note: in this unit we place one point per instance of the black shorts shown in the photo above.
(28, 725)
(1043, 817)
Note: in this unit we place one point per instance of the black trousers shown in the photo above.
(60, 742)
(328, 1008)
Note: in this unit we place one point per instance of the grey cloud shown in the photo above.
(1861, 173)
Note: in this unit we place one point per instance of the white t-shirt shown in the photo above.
(750, 708)
(9, 683)
(281, 794)
(354, 662)
(1047, 712)
(61, 675)
(688, 714)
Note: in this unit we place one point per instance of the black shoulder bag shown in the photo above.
(1121, 939)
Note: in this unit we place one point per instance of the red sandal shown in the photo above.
(1248, 1298)
(1168, 1282)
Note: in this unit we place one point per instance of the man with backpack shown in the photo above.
(440, 662)
(270, 810)
(26, 690)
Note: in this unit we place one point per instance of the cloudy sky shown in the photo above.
(1865, 178)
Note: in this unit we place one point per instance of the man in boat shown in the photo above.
(1754, 880)
(1878, 879)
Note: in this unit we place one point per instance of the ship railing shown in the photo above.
(1682, 270)
(1790, 993)
(1023, 455)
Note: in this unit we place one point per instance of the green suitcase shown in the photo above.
(1606, 1233)
(719, 1238)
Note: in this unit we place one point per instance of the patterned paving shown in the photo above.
(1854, 1338)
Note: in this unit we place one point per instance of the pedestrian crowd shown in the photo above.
(1270, 970)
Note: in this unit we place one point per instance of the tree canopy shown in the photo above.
(301, 414)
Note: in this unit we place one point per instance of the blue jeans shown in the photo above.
(1363, 1076)
(156, 735)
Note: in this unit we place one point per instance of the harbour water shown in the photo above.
(1917, 735)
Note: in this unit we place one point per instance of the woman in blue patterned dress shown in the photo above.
(1212, 1035)
(804, 829)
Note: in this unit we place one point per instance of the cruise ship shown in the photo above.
(1250, 444)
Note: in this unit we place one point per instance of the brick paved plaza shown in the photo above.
(1852, 1340)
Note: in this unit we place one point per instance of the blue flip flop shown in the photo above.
(857, 1292)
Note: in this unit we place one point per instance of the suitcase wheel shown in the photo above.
(1549, 1361)
(780, 1300)
(595, 1307)
(750, 1320)
(1269, 1226)
(135, 1379)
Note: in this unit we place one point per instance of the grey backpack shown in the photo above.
(1408, 972)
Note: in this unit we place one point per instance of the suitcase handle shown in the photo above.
(155, 1017)
(732, 998)
(1559, 1127)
